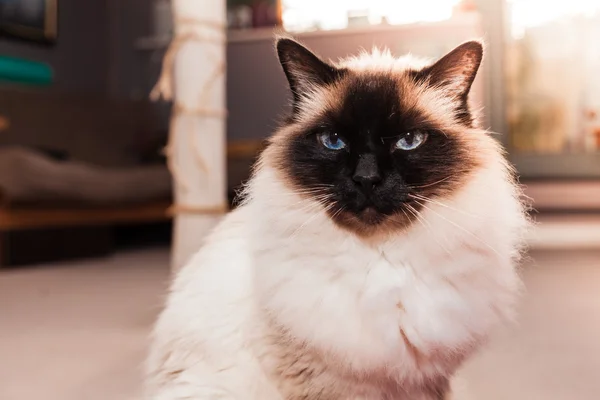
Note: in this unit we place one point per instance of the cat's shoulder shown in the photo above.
(208, 298)
(220, 270)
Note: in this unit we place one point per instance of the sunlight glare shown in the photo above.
(526, 14)
(299, 15)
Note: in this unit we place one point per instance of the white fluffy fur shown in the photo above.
(445, 282)
(382, 60)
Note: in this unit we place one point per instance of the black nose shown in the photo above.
(367, 172)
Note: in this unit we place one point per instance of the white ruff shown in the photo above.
(444, 284)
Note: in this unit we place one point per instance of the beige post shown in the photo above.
(193, 78)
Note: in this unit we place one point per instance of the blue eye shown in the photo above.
(411, 140)
(332, 141)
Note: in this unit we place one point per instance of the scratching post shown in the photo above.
(193, 78)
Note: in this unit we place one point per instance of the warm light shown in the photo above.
(299, 15)
(531, 13)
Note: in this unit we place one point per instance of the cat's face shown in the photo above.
(373, 145)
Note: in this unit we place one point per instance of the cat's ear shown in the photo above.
(303, 69)
(456, 71)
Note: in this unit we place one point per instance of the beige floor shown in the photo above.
(78, 331)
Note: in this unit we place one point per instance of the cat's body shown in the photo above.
(286, 302)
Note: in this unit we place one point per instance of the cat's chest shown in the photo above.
(372, 306)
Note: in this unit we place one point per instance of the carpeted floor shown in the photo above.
(78, 331)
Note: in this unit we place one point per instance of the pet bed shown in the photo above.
(29, 176)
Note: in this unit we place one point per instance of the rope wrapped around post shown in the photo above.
(164, 90)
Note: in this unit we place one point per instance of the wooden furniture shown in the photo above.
(90, 129)
(24, 218)
(45, 234)
(35, 234)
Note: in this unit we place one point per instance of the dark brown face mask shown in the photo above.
(372, 152)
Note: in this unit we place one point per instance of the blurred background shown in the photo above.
(92, 221)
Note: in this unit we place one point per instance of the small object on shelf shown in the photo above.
(32, 20)
(152, 43)
(243, 14)
(239, 17)
(24, 71)
(163, 18)
(465, 6)
(4, 123)
(358, 18)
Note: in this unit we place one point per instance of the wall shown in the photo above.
(95, 49)
(131, 71)
(96, 68)
(257, 93)
(80, 57)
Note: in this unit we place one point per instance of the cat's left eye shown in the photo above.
(331, 140)
(411, 140)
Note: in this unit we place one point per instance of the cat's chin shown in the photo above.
(370, 216)
(370, 221)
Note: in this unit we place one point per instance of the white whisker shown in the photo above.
(429, 200)
(309, 220)
(428, 227)
(431, 184)
(459, 227)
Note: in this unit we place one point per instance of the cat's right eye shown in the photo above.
(410, 140)
(331, 140)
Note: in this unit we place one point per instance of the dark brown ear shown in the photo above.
(456, 71)
(303, 69)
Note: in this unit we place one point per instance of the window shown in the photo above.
(553, 91)
(306, 15)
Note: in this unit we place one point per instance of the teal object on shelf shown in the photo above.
(25, 71)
